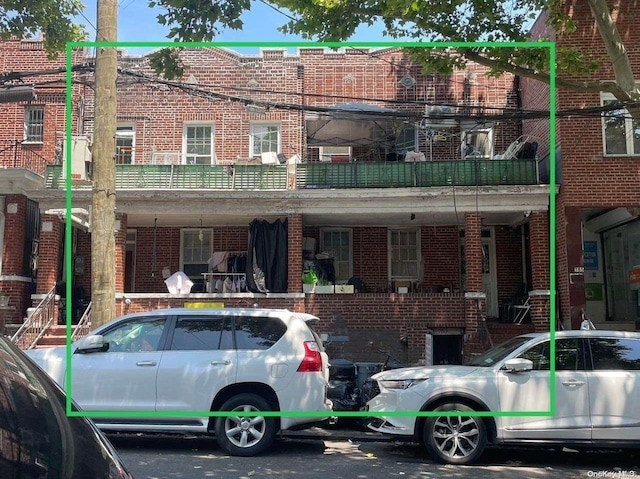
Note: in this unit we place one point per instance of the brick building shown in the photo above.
(317, 145)
(598, 242)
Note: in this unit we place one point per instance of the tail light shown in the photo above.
(312, 361)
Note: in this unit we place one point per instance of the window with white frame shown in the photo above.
(125, 139)
(197, 146)
(621, 133)
(477, 142)
(264, 137)
(34, 124)
(335, 153)
(195, 251)
(337, 242)
(404, 255)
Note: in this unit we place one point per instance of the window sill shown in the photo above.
(621, 156)
(32, 143)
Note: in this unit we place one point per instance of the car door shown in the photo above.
(199, 361)
(614, 383)
(530, 391)
(124, 377)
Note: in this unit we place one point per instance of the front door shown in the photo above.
(530, 392)
(489, 281)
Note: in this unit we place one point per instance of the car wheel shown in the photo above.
(242, 435)
(455, 439)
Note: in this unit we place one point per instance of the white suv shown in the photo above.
(597, 386)
(196, 361)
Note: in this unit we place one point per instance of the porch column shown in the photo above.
(121, 250)
(540, 265)
(294, 235)
(13, 281)
(475, 299)
(570, 266)
(49, 252)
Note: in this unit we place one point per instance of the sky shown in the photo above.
(137, 22)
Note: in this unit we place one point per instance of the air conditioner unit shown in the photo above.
(439, 116)
(80, 158)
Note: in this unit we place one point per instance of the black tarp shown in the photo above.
(267, 261)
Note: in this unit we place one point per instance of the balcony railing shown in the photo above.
(15, 154)
(318, 175)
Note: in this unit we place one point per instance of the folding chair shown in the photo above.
(521, 310)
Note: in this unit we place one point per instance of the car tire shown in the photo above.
(246, 435)
(455, 439)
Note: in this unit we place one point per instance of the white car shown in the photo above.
(597, 389)
(196, 361)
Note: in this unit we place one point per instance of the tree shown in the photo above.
(447, 20)
(53, 18)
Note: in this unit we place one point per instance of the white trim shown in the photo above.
(417, 232)
(127, 133)
(628, 130)
(16, 278)
(192, 124)
(252, 135)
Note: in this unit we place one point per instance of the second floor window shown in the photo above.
(124, 145)
(265, 137)
(477, 143)
(34, 124)
(198, 144)
(621, 133)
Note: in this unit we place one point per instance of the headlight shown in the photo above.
(400, 383)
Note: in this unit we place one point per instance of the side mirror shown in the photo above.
(518, 365)
(93, 343)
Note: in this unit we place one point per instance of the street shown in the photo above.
(168, 457)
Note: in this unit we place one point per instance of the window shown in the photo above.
(198, 145)
(477, 143)
(615, 353)
(621, 133)
(202, 333)
(264, 137)
(196, 251)
(404, 251)
(569, 355)
(337, 242)
(136, 336)
(125, 136)
(258, 333)
(335, 154)
(407, 139)
(34, 124)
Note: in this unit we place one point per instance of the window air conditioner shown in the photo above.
(439, 116)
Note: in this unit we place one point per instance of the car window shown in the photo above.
(615, 353)
(258, 332)
(569, 355)
(142, 334)
(202, 333)
(498, 353)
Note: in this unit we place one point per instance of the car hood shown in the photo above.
(423, 372)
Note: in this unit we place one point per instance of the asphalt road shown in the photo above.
(175, 457)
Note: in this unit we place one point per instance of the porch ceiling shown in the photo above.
(393, 207)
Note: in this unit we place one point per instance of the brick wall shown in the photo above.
(50, 251)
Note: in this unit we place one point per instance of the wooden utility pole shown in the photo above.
(103, 215)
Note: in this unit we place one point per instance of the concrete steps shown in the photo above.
(55, 336)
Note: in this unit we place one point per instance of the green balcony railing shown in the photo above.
(318, 175)
(420, 174)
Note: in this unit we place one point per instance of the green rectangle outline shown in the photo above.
(71, 412)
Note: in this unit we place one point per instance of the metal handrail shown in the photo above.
(84, 325)
(37, 323)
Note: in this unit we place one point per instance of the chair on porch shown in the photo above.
(521, 311)
(508, 309)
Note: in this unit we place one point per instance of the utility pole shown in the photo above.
(103, 215)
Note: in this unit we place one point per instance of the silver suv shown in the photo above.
(597, 386)
(196, 361)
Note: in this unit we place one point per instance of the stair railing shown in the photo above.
(84, 325)
(36, 325)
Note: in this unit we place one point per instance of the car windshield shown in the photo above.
(499, 352)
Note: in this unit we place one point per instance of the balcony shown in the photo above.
(319, 175)
(16, 154)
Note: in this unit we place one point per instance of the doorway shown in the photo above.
(447, 349)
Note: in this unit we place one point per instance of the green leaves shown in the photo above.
(53, 18)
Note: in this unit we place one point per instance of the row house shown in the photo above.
(598, 214)
(411, 200)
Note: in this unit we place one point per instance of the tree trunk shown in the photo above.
(103, 246)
